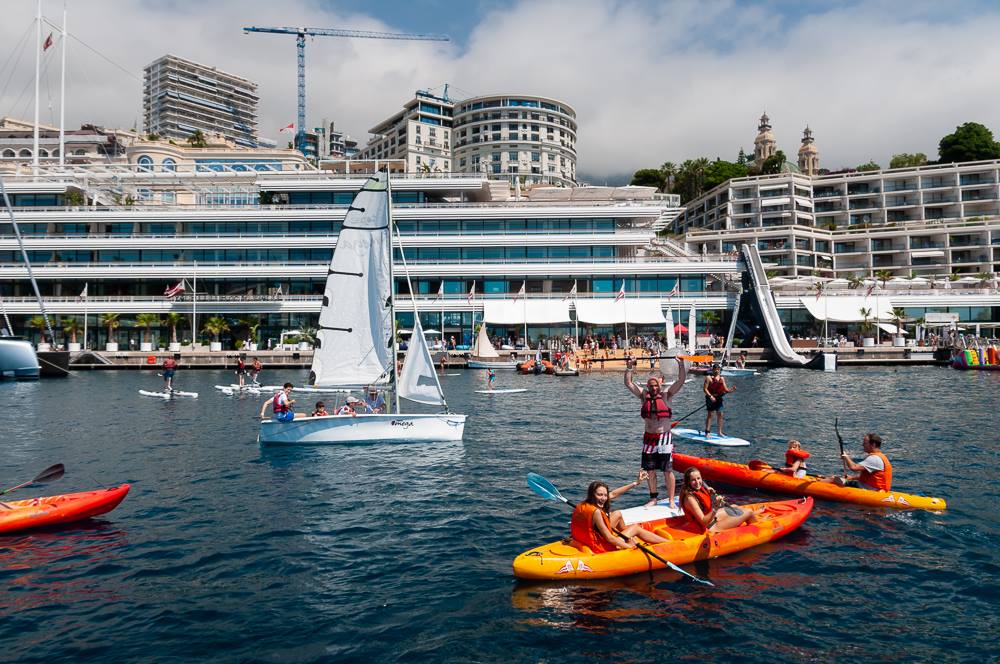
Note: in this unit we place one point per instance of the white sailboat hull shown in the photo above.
(378, 428)
(479, 364)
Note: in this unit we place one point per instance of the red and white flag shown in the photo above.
(676, 290)
(290, 127)
(520, 293)
(48, 42)
(870, 289)
(174, 290)
(472, 292)
(621, 292)
(572, 292)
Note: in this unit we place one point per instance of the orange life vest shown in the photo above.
(791, 456)
(581, 527)
(881, 480)
(704, 499)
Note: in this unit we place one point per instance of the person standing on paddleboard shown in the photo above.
(491, 376)
(169, 369)
(715, 389)
(241, 371)
(255, 371)
(657, 442)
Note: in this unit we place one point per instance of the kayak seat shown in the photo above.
(663, 532)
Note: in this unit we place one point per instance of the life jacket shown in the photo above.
(278, 406)
(257, 366)
(581, 527)
(791, 456)
(654, 406)
(241, 365)
(716, 387)
(881, 480)
(704, 500)
(170, 363)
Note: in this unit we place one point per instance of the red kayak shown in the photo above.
(56, 510)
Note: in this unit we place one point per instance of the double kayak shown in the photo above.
(769, 479)
(562, 560)
(57, 510)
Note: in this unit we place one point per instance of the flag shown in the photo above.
(290, 127)
(278, 292)
(520, 293)
(48, 42)
(440, 291)
(174, 290)
(572, 292)
(83, 293)
(472, 292)
(871, 288)
(621, 292)
(676, 290)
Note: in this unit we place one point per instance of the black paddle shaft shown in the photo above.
(840, 440)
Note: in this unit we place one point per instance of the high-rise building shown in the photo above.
(419, 135)
(181, 97)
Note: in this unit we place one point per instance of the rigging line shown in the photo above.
(19, 49)
(27, 86)
(104, 57)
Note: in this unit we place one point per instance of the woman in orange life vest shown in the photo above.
(593, 524)
(706, 509)
(795, 460)
(715, 389)
(874, 471)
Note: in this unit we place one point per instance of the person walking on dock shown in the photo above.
(657, 442)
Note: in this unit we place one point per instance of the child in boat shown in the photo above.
(596, 527)
(707, 510)
(320, 410)
(795, 460)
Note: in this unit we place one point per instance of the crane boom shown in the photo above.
(300, 43)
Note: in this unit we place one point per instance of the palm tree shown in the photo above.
(173, 319)
(147, 322)
(197, 139)
(883, 276)
(72, 326)
(855, 282)
(984, 278)
(866, 314)
(710, 318)
(899, 317)
(38, 323)
(215, 326)
(669, 170)
(112, 321)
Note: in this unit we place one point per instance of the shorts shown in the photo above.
(241, 372)
(287, 416)
(168, 373)
(657, 454)
(657, 461)
(713, 406)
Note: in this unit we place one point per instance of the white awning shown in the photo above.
(927, 253)
(805, 202)
(890, 328)
(767, 202)
(773, 186)
(638, 311)
(532, 312)
(846, 309)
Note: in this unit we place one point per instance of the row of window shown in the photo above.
(503, 253)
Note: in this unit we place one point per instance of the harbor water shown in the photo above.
(226, 551)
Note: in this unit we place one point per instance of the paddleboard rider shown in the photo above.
(169, 369)
(874, 471)
(241, 371)
(657, 442)
(593, 524)
(491, 377)
(281, 405)
(706, 509)
(715, 389)
(255, 370)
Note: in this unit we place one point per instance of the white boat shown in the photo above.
(736, 372)
(18, 359)
(356, 342)
(484, 356)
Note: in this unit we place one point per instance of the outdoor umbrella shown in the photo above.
(680, 329)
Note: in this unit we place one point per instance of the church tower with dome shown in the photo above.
(808, 153)
(764, 145)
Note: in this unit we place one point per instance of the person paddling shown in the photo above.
(657, 442)
(241, 371)
(706, 509)
(281, 405)
(169, 369)
(255, 371)
(491, 377)
(593, 524)
(874, 471)
(715, 389)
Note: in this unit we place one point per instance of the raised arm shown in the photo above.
(643, 476)
(263, 407)
(681, 377)
(632, 387)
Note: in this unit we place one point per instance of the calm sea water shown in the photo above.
(226, 551)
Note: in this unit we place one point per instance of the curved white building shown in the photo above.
(532, 138)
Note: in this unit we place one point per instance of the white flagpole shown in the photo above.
(194, 306)
(86, 295)
(38, 66)
(524, 308)
(62, 96)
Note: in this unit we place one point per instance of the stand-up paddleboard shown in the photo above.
(168, 395)
(315, 390)
(734, 372)
(509, 391)
(454, 374)
(238, 390)
(711, 439)
(661, 510)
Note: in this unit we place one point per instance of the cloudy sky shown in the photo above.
(651, 81)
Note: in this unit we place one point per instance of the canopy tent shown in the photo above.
(638, 311)
(898, 282)
(847, 309)
(680, 329)
(838, 283)
(526, 312)
(891, 329)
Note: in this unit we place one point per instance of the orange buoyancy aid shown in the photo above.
(882, 479)
(655, 407)
(717, 387)
(581, 527)
(791, 456)
(704, 499)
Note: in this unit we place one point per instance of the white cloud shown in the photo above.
(650, 82)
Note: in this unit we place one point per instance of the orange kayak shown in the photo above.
(769, 479)
(55, 510)
(562, 560)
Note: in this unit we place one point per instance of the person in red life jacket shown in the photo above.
(874, 471)
(657, 442)
(169, 369)
(795, 460)
(593, 524)
(706, 509)
(255, 371)
(241, 371)
(281, 405)
(320, 410)
(715, 389)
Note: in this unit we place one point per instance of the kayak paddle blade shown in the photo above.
(544, 488)
(698, 579)
(50, 474)
(757, 464)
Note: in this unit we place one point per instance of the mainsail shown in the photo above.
(418, 381)
(483, 347)
(355, 326)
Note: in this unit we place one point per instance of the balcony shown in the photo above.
(915, 244)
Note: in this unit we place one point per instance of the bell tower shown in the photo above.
(808, 153)
(764, 145)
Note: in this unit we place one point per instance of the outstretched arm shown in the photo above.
(681, 377)
(643, 476)
(632, 387)
(263, 408)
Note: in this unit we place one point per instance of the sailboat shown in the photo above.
(356, 343)
(485, 356)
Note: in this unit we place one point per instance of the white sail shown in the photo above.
(483, 347)
(418, 381)
(354, 339)
(692, 319)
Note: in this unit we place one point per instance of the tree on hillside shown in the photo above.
(969, 142)
(741, 158)
(773, 163)
(669, 170)
(906, 160)
(690, 181)
(720, 171)
(870, 166)
(197, 139)
(648, 177)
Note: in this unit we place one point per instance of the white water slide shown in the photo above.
(762, 290)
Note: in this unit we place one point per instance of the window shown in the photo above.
(169, 165)
(145, 163)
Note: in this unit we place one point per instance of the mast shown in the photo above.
(62, 96)
(38, 65)
(392, 293)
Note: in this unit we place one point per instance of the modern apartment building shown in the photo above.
(181, 97)
(531, 138)
(931, 220)
(419, 135)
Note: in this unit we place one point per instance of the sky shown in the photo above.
(650, 81)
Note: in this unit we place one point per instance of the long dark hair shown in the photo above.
(592, 495)
(686, 489)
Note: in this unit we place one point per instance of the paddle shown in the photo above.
(548, 490)
(840, 440)
(689, 358)
(50, 474)
(676, 422)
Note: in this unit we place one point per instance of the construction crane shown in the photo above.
(300, 43)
